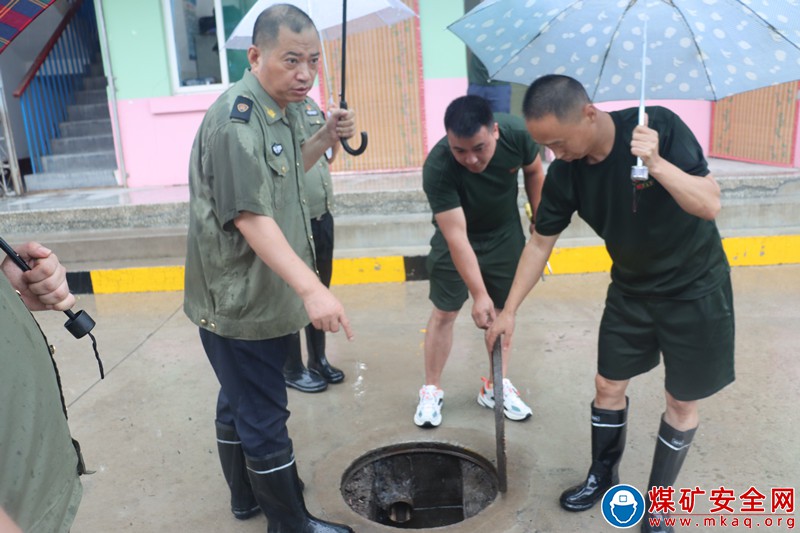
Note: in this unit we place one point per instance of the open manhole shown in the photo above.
(419, 485)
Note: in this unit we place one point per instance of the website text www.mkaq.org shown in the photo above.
(773, 508)
(723, 521)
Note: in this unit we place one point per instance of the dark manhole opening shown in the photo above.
(419, 485)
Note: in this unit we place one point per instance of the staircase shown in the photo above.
(83, 156)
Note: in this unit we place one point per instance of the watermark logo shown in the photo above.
(623, 506)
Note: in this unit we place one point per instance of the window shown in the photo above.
(197, 46)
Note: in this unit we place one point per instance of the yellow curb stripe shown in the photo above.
(580, 260)
(155, 279)
(387, 269)
(760, 251)
(741, 251)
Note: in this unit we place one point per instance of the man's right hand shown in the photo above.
(503, 325)
(340, 124)
(44, 286)
(326, 312)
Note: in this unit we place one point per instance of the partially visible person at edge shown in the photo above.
(319, 192)
(670, 291)
(250, 282)
(497, 93)
(39, 485)
(471, 180)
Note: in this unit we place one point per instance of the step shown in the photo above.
(93, 96)
(100, 160)
(88, 111)
(98, 246)
(82, 128)
(158, 231)
(382, 231)
(94, 82)
(373, 216)
(96, 69)
(381, 202)
(46, 181)
(778, 183)
(87, 143)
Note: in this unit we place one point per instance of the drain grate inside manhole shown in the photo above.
(419, 485)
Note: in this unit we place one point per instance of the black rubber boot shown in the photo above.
(317, 361)
(277, 489)
(608, 443)
(298, 376)
(671, 449)
(243, 503)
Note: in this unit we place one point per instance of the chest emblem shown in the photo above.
(311, 112)
(277, 149)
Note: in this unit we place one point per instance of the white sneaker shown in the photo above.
(429, 410)
(513, 406)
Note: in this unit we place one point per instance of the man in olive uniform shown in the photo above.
(471, 180)
(250, 283)
(670, 292)
(39, 485)
(319, 193)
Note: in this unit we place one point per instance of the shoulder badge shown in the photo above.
(242, 108)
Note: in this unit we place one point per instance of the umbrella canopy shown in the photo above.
(362, 15)
(15, 15)
(696, 49)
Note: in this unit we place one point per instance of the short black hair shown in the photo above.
(269, 22)
(467, 114)
(554, 94)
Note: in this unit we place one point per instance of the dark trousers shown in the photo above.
(322, 230)
(252, 395)
(498, 96)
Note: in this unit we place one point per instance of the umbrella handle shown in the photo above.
(355, 151)
(346, 146)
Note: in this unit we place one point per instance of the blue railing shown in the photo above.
(57, 73)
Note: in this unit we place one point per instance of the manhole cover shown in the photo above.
(419, 485)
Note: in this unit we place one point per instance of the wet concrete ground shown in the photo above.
(148, 430)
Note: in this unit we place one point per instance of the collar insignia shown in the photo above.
(242, 107)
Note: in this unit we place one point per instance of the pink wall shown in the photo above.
(696, 114)
(157, 133)
(796, 161)
(157, 136)
(438, 95)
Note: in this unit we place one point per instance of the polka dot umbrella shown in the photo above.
(689, 49)
(696, 49)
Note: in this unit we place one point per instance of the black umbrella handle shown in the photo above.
(360, 149)
(345, 145)
(342, 103)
